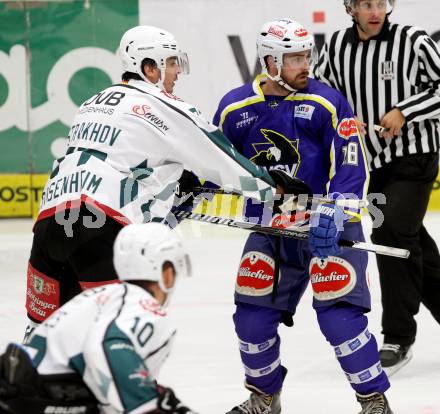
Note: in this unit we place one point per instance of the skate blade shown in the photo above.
(392, 370)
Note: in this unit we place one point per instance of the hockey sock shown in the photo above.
(345, 328)
(256, 328)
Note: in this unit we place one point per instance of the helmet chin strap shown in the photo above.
(159, 83)
(281, 81)
(167, 291)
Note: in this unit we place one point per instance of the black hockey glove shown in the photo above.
(168, 403)
(23, 390)
(187, 182)
(188, 196)
(293, 187)
(184, 198)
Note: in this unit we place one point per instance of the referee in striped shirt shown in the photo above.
(390, 74)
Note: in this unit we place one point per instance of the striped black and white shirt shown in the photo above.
(400, 68)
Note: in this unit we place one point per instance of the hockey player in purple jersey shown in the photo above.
(286, 120)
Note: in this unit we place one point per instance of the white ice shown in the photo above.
(205, 369)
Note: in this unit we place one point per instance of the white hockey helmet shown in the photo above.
(282, 36)
(142, 42)
(140, 251)
(351, 4)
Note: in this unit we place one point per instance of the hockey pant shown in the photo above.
(61, 266)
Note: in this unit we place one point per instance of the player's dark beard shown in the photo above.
(301, 84)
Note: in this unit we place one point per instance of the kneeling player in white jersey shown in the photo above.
(101, 351)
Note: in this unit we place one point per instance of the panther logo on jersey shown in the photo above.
(277, 153)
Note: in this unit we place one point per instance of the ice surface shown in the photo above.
(205, 369)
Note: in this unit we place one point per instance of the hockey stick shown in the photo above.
(291, 233)
(347, 203)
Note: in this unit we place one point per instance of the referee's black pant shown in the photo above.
(407, 184)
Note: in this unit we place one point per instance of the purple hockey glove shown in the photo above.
(326, 226)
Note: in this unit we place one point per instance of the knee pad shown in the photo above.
(256, 323)
(341, 322)
(256, 328)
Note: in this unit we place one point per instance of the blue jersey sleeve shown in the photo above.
(216, 119)
(348, 168)
(224, 119)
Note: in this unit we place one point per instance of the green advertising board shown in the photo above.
(53, 56)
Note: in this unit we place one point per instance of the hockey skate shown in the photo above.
(393, 357)
(374, 403)
(258, 403)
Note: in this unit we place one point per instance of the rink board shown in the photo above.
(20, 194)
(20, 197)
(45, 73)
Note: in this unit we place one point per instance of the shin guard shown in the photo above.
(259, 343)
(345, 328)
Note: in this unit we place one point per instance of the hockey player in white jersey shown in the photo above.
(101, 352)
(128, 146)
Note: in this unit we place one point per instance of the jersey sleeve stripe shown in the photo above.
(259, 97)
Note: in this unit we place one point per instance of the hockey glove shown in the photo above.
(326, 226)
(168, 403)
(292, 187)
(184, 198)
(187, 182)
